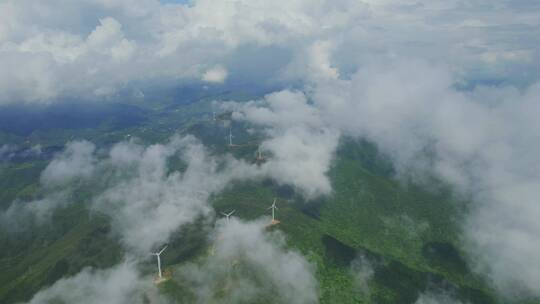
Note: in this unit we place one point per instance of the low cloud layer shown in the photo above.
(121, 284)
(479, 141)
(77, 161)
(58, 181)
(299, 143)
(21, 215)
(7, 152)
(362, 271)
(433, 297)
(248, 263)
(147, 203)
(357, 65)
(148, 199)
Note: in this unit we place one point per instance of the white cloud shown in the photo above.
(146, 203)
(107, 38)
(320, 60)
(76, 161)
(362, 272)
(21, 215)
(483, 142)
(73, 165)
(436, 297)
(217, 74)
(133, 185)
(56, 52)
(7, 151)
(252, 263)
(32, 78)
(480, 142)
(300, 145)
(247, 264)
(120, 284)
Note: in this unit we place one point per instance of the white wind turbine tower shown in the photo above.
(274, 208)
(259, 154)
(228, 215)
(230, 137)
(214, 115)
(157, 254)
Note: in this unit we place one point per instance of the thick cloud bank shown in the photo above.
(250, 264)
(95, 48)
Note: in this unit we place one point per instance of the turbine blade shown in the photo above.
(163, 249)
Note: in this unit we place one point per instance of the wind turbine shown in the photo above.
(259, 154)
(157, 254)
(228, 215)
(230, 137)
(274, 208)
(214, 115)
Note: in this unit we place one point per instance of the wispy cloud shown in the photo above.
(382, 70)
(300, 144)
(478, 141)
(247, 264)
(121, 284)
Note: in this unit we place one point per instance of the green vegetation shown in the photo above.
(379, 224)
(49, 255)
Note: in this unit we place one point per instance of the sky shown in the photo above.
(460, 79)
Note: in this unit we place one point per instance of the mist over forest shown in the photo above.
(297, 151)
